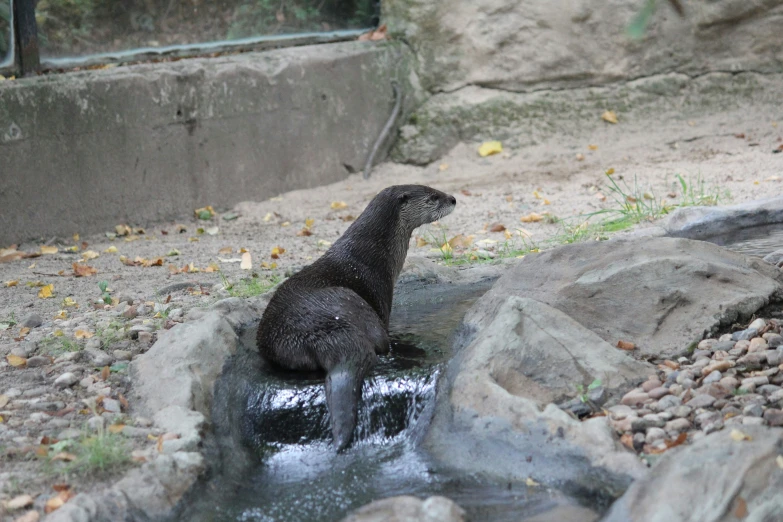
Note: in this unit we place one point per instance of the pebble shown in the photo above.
(757, 345)
(121, 307)
(38, 361)
(12, 393)
(111, 405)
(87, 381)
(651, 385)
(69, 433)
(756, 381)
(654, 434)
(701, 401)
(774, 417)
(132, 431)
(32, 321)
(634, 397)
(47, 406)
(725, 338)
(677, 425)
(93, 345)
(752, 421)
(777, 396)
(753, 410)
(707, 344)
(122, 355)
(25, 349)
(668, 402)
(145, 337)
(729, 382)
(638, 441)
(757, 324)
(717, 366)
(768, 389)
(69, 357)
(143, 422)
(774, 357)
(712, 377)
(681, 411)
(744, 335)
(142, 309)
(96, 423)
(658, 393)
(66, 380)
(723, 346)
(774, 340)
(130, 313)
(99, 357)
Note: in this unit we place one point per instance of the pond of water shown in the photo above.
(753, 241)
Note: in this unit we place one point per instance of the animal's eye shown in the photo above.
(433, 198)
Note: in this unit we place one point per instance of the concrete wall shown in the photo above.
(82, 152)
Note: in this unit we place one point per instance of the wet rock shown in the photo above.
(409, 509)
(66, 380)
(32, 321)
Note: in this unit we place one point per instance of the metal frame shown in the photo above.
(27, 60)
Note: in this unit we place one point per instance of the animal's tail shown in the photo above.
(343, 393)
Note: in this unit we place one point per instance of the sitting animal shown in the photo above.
(333, 315)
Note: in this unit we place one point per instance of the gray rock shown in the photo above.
(753, 410)
(66, 380)
(701, 401)
(24, 349)
(745, 335)
(724, 469)
(774, 417)
(750, 421)
(702, 284)
(668, 402)
(38, 361)
(69, 433)
(775, 340)
(47, 406)
(654, 435)
(657, 393)
(98, 357)
(111, 405)
(96, 423)
(768, 389)
(774, 357)
(122, 355)
(503, 384)
(144, 337)
(677, 425)
(32, 321)
(409, 509)
(715, 376)
(776, 258)
(723, 346)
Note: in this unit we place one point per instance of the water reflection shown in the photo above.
(753, 241)
(6, 32)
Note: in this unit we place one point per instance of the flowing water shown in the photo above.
(299, 477)
(753, 241)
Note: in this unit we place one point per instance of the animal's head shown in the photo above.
(419, 204)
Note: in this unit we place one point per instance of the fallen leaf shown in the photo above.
(58, 333)
(225, 251)
(609, 171)
(580, 157)
(674, 365)
(600, 196)
(304, 232)
(497, 227)
(165, 437)
(529, 482)
(268, 217)
(205, 213)
(61, 487)
(531, 218)
(609, 116)
(375, 35)
(123, 230)
(82, 334)
(80, 270)
(285, 224)
(46, 292)
(105, 372)
(443, 166)
(213, 231)
(592, 147)
(24, 331)
(465, 192)
(420, 242)
(64, 456)
(57, 501)
(49, 249)
(19, 502)
(740, 508)
(3, 400)
(277, 251)
(338, 205)
(123, 401)
(247, 263)
(9, 284)
(68, 301)
(670, 443)
(460, 240)
(738, 436)
(230, 216)
(181, 229)
(627, 441)
(89, 254)
(779, 460)
(773, 178)
(173, 252)
(309, 222)
(490, 147)
(625, 345)
(324, 243)
(348, 217)
(116, 428)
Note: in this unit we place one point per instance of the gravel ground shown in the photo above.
(64, 348)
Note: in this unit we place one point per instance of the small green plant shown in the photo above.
(55, 346)
(583, 393)
(101, 453)
(696, 193)
(104, 285)
(8, 323)
(250, 287)
(740, 391)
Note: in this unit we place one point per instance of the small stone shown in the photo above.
(69, 357)
(69, 433)
(756, 381)
(752, 361)
(145, 337)
(176, 314)
(669, 401)
(96, 423)
(654, 434)
(617, 412)
(720, 403)
(753, 410)
(757, 345)
(682, 411)
(111, 405)
(677, 425)
(87, 381)
(775, 397)
(637, 425)
(32, 321)
(99, 357)
(47, 406)
(723, 346)
(634, 397)
(745, 335)
(687, 384)
(122, 355)
(131, 431)
(37, 361)
(712, 377)
(729, 382)
(752, 421)
(701, 354)
(650, 385)
(24, 349)
(747, 388)
(774, 357)
(717, 366)
(93, 344)
(721, 355)
(774, 417)
(130, 313)
(659, 392)
(142, 309)
(775, 340)
(716, 390)
(676, 389)
(685, 375)
(12, 393)
(66, 380)
(653, 420)
(725, 338)
(706, 344)
(638, 441)
(758, 324)
(768, 389)
(142, 422)
(701, 401)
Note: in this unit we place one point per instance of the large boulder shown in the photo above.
(659, 293)
(528, 44)
(726, 476)
(708, 222)
(496, 416)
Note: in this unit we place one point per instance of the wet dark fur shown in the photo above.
(334, 314)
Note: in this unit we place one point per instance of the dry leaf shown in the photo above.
(490, 147)
(338, 205)
(609, 171)
(64, 456)
(443, 166)
(277, 251)
(625, 345)
(46, 292)
(374, 35)
(105, 372)
(225, 251)
(80, 270)
(123, 230)
(740, 508)
(531, 218)
(57, 501)
(116, 428)
(600, 196)
(497, 227)
(19, 502)
(82, 334)
(738, 436)
(304, 232)
(123, 401)
(681, 438)
(609, 116)
(165, 437)
(49, 249)
(16, 361)
(247, 263)
(529, 482)
(205, 212)
(779, 460)
(9, 284)
(3, 400)
(580, 157)
(460, 240)
(309, 222)
(68, 301)
(592, 147)
(62, 314)
(89, 254)
(24, 331)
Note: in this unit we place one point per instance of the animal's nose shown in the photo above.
(452, 200)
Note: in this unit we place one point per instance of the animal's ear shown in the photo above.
(404, 197)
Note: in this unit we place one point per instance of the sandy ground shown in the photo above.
(730, 153)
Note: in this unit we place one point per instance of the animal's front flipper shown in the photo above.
(343, 391)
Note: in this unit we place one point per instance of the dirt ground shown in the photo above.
(723, 157)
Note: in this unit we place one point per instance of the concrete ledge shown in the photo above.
(84, 151)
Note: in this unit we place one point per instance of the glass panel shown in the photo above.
(6, 44)
(78, 28)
